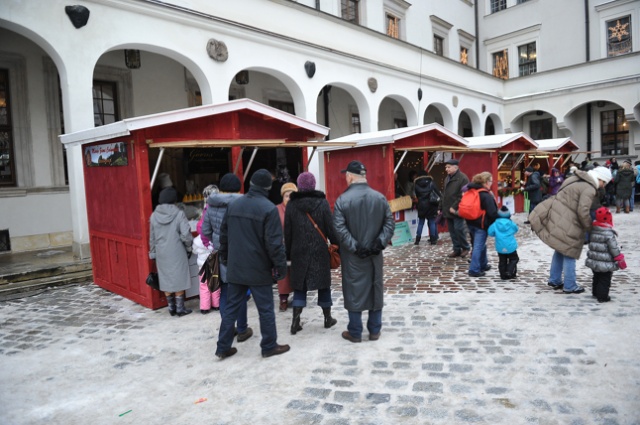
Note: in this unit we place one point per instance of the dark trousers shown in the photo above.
(601, 284)
(508, 265)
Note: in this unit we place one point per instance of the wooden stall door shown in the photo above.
(114, 193)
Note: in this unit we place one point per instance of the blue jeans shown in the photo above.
(374, 323)
(561, 264)
(457, 230)
(324, 298)
(242, 322)
(479, 261)
(263, 298)
(633, 197)
(433, 228)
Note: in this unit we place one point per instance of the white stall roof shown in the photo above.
(387, 136)
(127, 125)
(555, 144)
(497, 141)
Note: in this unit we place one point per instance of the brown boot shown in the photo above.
(626, 209)
(617, 209)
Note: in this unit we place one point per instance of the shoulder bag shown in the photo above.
(334, 254)
(152, 281)
(210, 271)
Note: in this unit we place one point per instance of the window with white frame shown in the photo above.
(466, 47)
(498, 5)
(355, 123)
(394, 12)
(105, 102)
(350, 11)
(393, 26)
(614, 133)
(501, 64)
(527, 59)
(619, 36)
(440, 29)
(438, 45)
(7, 156)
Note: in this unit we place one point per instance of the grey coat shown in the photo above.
(603, 248)
(624, 181)
(169, 242)
(452, 193)
(217, 207)
(562, 220)
(362, 218)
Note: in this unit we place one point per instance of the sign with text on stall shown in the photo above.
(106, 155)
(401, 234)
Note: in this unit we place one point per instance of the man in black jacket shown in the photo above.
(254, 261)
(451, 196)
(532, 187)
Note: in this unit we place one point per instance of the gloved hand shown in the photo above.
(189, 253)
(279, 274)
(621, 263)
(362, 252)
(376, 248)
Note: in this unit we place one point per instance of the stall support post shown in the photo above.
(236, 158)
(306, 158)
(155, 170)
(253, 156)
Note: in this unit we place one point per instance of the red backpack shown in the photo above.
(469, 207)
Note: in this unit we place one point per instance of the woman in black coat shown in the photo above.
(307, 250)
(424, 186)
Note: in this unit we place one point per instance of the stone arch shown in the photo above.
(495, 123)
(399, 107)
(343, 104)
(468, 123)
(438, 112)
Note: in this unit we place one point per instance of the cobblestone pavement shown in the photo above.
(454, 350)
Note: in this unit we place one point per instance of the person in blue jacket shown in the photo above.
(504, 230)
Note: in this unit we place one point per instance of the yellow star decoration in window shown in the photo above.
(464, 56)
(619, 31)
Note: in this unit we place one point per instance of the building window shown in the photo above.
(283, 106)
(105, 103)
(7, 160)
(522, 1)
(501, 65)
(498, 5)
(438, 45)
(464, 55)
(355, 123)
(393, 26)
(527, 59)
(399, 123)
(350, 11)
(615, 133)
(619, 36)
(541, 129)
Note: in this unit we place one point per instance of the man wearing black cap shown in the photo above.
(451, 196)
(532, 187)
(254, 259)
(364, 225)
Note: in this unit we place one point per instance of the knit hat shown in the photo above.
(168, 196)
(230, 183)
(528, 170)
(262, 178)
(306, 182)
(504, 212)
(207, 191)
(601, 173)
(603, 215)
(627, 161)
(288, 187)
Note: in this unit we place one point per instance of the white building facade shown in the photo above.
(548, 68)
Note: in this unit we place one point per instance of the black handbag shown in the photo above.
(210, 271)
(152, 280)
(434, 198)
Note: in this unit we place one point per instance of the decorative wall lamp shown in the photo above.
(242, 78)
(132, 59)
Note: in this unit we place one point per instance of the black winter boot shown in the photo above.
(328, 320)
(417, 242)
(171, 301)
(295, 323)
(181, 310)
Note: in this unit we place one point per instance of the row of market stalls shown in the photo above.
(196, 146)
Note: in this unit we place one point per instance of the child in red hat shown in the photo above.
(604, 256)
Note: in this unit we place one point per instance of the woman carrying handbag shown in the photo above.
(307, 250)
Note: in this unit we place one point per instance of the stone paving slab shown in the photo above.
(476, 351)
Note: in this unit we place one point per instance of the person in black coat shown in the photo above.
(307, 249)
(478, 227)
(424, 186)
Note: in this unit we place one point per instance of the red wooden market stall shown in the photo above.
(123, 159)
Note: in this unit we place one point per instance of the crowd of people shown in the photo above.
(287, 244)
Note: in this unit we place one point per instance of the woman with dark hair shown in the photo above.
(170, 243)
(424, 186)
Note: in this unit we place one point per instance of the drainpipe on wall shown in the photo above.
(589, 109)
(325, 102)
(586, 29)
(478, 36)
(317, 4)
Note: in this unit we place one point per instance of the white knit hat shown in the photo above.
(601, 173)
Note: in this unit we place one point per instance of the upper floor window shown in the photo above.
(527, 59)
(498, 5)
(438, 45)
(522, 1)
(619, 36)
(614, 133)
(464, 55)
(501, 64)
(7, 160)
(105, 103)
(393, 26)
(350, 11)
(541, 129)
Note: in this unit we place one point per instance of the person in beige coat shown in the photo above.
(562, 221)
